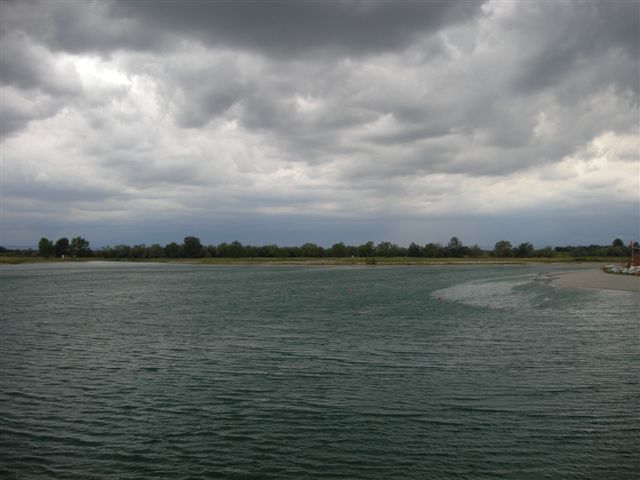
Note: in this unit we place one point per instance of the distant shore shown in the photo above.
(596, 279)
(304, 261)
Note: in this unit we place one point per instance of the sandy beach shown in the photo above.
(596, 278)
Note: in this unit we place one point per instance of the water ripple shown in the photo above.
(138, 371)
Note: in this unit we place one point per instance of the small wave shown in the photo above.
(498, 295)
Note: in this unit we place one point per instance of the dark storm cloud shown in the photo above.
(279, 27)
(579, 33)
(285, 28)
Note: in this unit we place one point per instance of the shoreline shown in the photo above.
(595, 279)
(587, 275)
(307, 261)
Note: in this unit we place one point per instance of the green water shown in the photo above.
(115, 370)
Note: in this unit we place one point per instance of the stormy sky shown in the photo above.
(292, 122)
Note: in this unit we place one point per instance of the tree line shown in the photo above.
(192, 247)
(77, 247)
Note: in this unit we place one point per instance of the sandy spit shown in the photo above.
(596, 278)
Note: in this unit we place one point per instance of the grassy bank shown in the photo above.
(327, 261)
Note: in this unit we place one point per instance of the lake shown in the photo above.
(146, 371)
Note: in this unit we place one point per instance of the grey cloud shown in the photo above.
(33, 86)
(82, 26)
(264, 99)
(285, 28)
(61, 195)
(18, 109)
(58, 196)
(139, 170)
(26, 66)
(361, 100)
(205, 90)
(571, 35)
(15, 113)
(280, 28)
(408, 135)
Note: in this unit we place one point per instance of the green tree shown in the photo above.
(156, 251)
(414, 250)
(546, 252)
(79, 247)
(454, 247)
(236, 249)
(433, 250)
(139, 251)
(384, 249)
(62, 246)
(503, 249)
(311, 250)
(122, 251)
(365, 250)
(618, 243)
(211, 251)
(192, 247)
(45, 247)
(338, 250)
(454, 243)
(172, 250)
(388, 249)
(270, 251)
(524, 250)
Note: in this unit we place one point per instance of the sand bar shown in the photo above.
(596, 278)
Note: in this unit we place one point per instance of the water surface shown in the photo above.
(116, 370)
